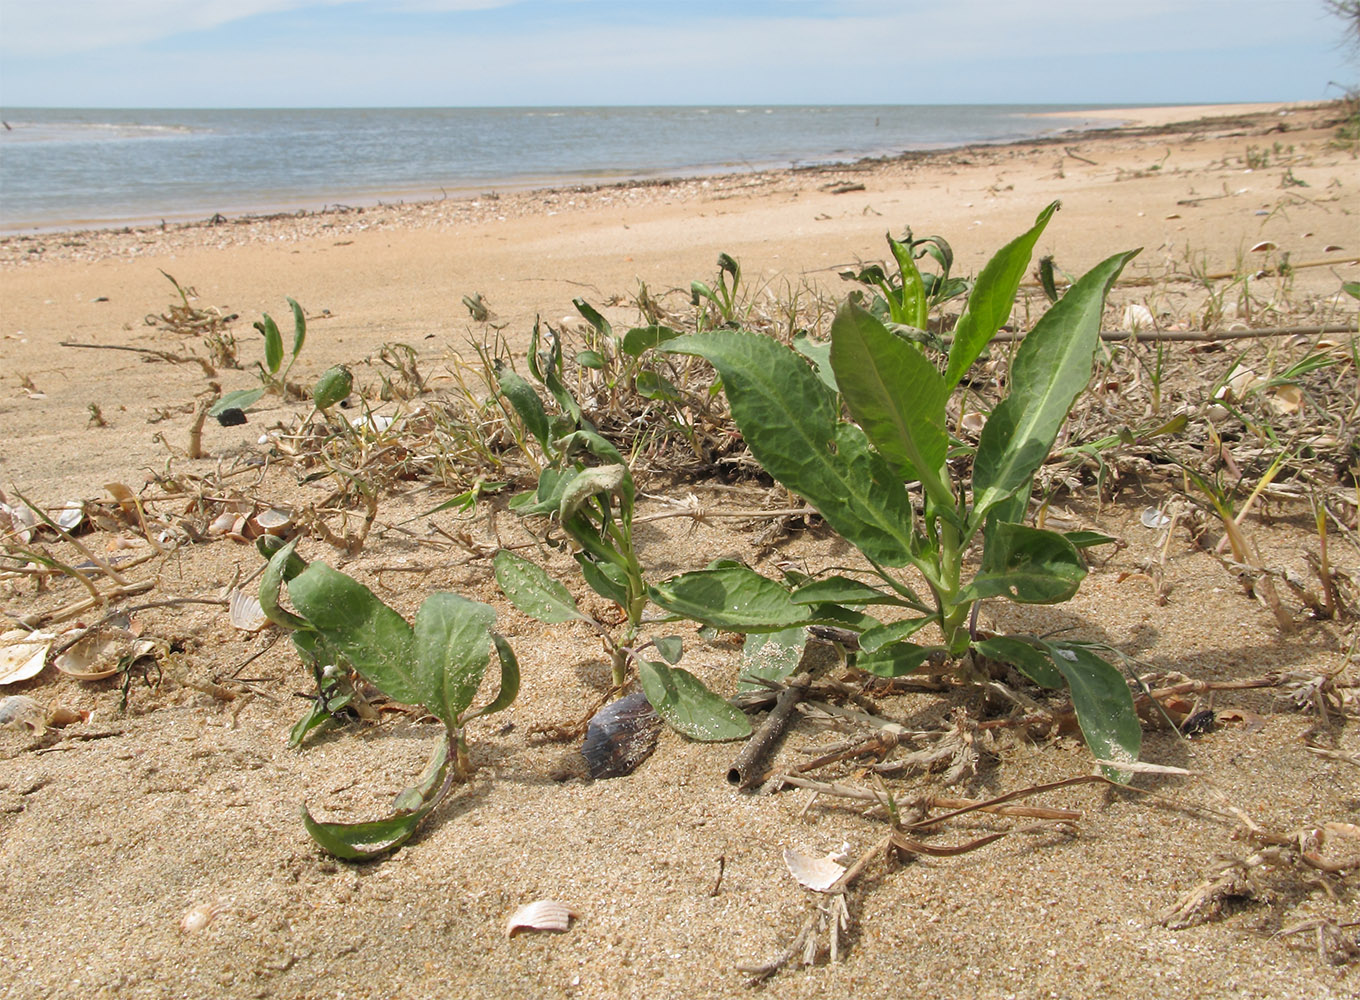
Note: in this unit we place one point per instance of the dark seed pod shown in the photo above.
(231, 417)
(620, 737)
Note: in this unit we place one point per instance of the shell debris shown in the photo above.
(817, 874)
(543, 915)
(199, 916)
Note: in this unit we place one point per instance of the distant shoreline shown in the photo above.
(1132, 121)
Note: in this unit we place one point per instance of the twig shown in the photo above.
(208, 369)
(1194, 337)
(745, 771)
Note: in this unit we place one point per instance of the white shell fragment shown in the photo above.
(94, 655)
(1264, 247)
(23, 654)
(70, 516)
(272, 521)
(817, 874)
(1138, 317)
(20, 710)
(544, 915)
(246, 613)
(196, 918)
(1153, 518)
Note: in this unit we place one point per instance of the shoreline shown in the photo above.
(1121, 121)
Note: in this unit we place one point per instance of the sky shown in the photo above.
(465, 53)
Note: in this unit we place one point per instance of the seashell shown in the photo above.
(1239, 382)
(1138, 317)
(23, 654)
(222, 523)
(544, 915)
(245, 611)
(270, 521)
(1263, 247)
(621, 736)
(1286, 399)
(22, 520)
(1331, 248)
(972, 423)
(20, 710)
(70, 516)
(95, 655)
(817, 874)
(1153, 518)
(1217, 412)
(196, 918)
(376, 422)
(124, 496)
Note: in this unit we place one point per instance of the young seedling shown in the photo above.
(273, 373)
(856, 473)
(438, 662)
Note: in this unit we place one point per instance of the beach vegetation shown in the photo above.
(272, 371)
(339, 626)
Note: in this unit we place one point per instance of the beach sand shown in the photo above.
(677, 878)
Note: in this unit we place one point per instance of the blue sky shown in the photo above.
(345, 53)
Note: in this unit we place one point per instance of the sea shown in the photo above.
(102, 168)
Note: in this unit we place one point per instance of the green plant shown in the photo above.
(438, 662)
(724, 300)
(584, 483)
(855, 472)
(908, 298)
(273, 373)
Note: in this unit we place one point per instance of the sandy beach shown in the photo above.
(192, 797)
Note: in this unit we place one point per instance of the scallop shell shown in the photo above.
(245, 611)
(21, 518)
(1264, 246)
(95, 655)
(271, 521)
(70, 516)
(222, 523)
(23, 654)
(972, 423)
(1138, 317)
(1152, 517)
(817, 874)
(544, 915)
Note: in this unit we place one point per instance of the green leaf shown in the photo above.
(530, 589)
(772, 656)
(896, 396)
(593, 317)
(790, 421)
(688, 706)
(283, 565)
(332, 387)
(650, 385)
(1086, 539)
(1103, 703)
(734, 597)
(671, 648)
(238, 400)
(873, 639)
(606, 579)
(603, 479)
(643, 338)
(591, 359)
(843, 590)
(363, 841)
(896, 659)
(299, 328)
(1024, 657)
(509, 689)
(1026, 565)
(819, 353)
(273, 344)
(375, 640)
(1351, 288)
(1051, 368)
(992, 299)
(453, 647)
(526, 403)
(911, 309)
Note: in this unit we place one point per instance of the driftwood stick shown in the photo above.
(747, 770)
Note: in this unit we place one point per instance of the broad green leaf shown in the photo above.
(1026, 565)
(912, 309)
(591, 359)
(671, 648)
(273, 344)
(843, 590)
(1051, 368)
(332, 387)
(375, 640)
(772, 656)
(363, 841)
(299, 327)
(819, 353)
(790, 422)
(240, 399)
(734, 597)
(529, 588)
(896, 396)
(319, 715)
(873, 639)
(509, 689)
(453, 647)
(283, 565)
(650, 385)
(688, 706)
(526, 403)
(1024, 657)
(606, 579)
(1103, 704)
(896, 659)
(603, 479)
(1086, 539)
(593, 317)
(643, 338)
(992, 299)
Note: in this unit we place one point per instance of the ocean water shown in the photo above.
(74, 168)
